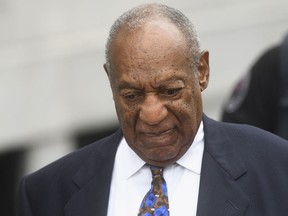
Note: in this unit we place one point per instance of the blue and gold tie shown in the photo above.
(155, 203)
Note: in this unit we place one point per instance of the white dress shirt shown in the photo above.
(131, 180)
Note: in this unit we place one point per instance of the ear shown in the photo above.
(105, 66)
(203, 70)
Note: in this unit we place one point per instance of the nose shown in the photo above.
(152, 110)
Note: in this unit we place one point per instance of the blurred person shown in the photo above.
(260, 98)
(188, 163)
(11, 162)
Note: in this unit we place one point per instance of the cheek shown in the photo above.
(189, 104)
(189, 110)
(126, 114)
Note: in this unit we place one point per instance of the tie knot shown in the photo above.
(156, 171)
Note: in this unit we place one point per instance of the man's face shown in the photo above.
(157, 95)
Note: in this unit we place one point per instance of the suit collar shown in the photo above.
(220, 193)
(93, 180)
(221, 145)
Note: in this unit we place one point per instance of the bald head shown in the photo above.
(137, 17)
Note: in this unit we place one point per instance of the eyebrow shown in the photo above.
(172, 80)
(161, 84)
(127, 85)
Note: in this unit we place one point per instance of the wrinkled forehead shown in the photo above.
(150, 55)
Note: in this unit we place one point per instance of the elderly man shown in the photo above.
(199, 166)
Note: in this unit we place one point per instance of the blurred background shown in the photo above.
(54, 94)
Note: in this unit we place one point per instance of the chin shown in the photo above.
(161, 157)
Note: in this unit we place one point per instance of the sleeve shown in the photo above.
(255, 98)
(23, 205)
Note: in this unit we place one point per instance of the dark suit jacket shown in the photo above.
(244, 172)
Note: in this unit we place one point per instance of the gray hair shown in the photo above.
(140, 15)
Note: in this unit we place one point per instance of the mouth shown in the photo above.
(161, 138)
(158, 133)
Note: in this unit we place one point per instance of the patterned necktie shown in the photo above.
(155, 203)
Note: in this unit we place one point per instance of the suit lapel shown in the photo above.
(219, 193)
(93, 181)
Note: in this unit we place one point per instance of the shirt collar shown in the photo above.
(191, 160)
(129, 159)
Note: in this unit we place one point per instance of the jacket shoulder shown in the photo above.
(67, 166)
(248, 140)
